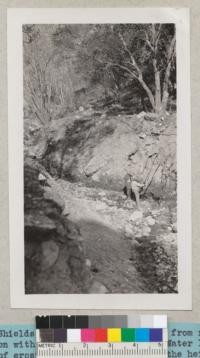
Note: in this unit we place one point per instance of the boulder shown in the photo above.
(99, 150)
(50, 252)
(137, 215)
(88, 263)
(109, 159)
(142, 135)
(128, 230)
(146, 231)
(150, 116)
(141, 115)
(97, 287)
(150, 221)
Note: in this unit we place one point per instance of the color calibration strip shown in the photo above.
(104, 335)
(101, 329)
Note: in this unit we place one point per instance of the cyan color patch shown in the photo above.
(142, 335)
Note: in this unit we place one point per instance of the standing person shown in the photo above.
(127, 184)
(133, 186)
(133, 179)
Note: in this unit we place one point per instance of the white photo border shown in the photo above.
(16, 18)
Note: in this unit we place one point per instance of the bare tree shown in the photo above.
(45, 85)
(145, 54)
(159, 98)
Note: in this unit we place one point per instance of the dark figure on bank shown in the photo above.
(133, 187)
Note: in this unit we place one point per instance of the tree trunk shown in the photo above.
(139, 74)
(164, 101)
(165, 88)
(148, 91)
(157, 87)
(165, 95)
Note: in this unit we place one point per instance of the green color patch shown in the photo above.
(128, 335)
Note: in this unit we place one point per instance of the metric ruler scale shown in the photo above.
(102, 350)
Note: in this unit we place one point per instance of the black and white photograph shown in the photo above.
(100, 171)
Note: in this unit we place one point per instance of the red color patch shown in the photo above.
(101, 335)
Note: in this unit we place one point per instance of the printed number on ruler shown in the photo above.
(102, 350)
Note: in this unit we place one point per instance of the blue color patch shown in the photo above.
(156, 335)
(142, 335)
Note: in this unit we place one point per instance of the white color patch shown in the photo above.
(74, 335)
(159, 321)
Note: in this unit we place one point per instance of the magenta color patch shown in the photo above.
(87, 335)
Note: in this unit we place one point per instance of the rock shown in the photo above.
(88, 263)
(129, 204)
(102, 194)
(149, 141)
(95, 177)
(65, 211)
(146, 231)
(97, 162)
(42, 179)
(39, 223)
(137, 222)
(142, 135)
(141, 115)
(97, 287)
(138, 235)
(135, 243)
(109, 167)
(150, 116)
(101, 205)
(51, 193)
(138, 214)
(150, 221)
(128, 230)
(155, 212)
(109, 202)
(174, 227)
(50, 252)
(156, 131)
(73, 233)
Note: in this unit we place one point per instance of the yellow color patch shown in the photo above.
(114, 334)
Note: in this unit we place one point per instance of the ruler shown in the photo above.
(102, 350)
